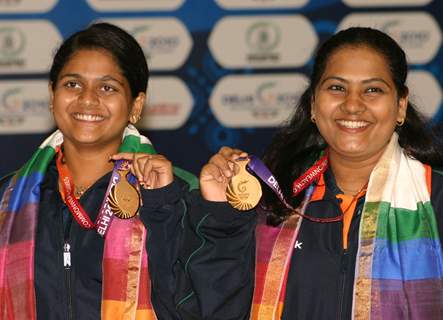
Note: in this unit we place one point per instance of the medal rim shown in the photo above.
(114, 202)
(232, 195)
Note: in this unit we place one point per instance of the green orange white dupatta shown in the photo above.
(399, 267)
(126, 283)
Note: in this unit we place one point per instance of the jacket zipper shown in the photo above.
(67, 265)
(67, 269)
(343, 276)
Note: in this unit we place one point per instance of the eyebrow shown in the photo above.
(104, 78)
(364, 81)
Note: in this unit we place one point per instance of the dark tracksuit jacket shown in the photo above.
(75, 292)
(322, 285)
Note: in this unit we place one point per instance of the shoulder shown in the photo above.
(437, 192)
(186, 179)
(436, 178)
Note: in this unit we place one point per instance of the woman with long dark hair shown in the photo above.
(358, 231)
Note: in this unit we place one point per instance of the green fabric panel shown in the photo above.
(191, 179)
(38, 162)
(398, 224)
(132, 144)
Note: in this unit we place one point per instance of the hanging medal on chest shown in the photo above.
(124, 198)
(244, 190)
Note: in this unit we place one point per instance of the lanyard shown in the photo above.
(106, 214)
(71, 201)
(304, 181)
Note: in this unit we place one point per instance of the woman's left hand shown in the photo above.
(153, 171)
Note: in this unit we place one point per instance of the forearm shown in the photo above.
(162, 215)
(218, 262)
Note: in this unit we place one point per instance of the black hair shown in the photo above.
(121, 45)
(297, 145)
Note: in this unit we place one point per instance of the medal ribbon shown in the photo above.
(303, 182)
(105, 215)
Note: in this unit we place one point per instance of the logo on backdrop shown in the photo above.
(170, 104)
(260, 4)
(22, 107)
(23, 49)
(12, 44)
(425, 92)
(134, 5)
(26, 6)
(256, 100)
(384, 3)
(417, 32)
(262, 41)
(165, 41)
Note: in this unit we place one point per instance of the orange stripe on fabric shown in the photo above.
(113, 308)
(428, 173)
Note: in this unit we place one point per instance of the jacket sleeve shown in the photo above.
(437, 199)
(162, 214)
(217, 261)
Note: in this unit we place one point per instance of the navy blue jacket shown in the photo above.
(321, 287)
(75, 292)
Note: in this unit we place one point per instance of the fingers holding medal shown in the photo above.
(225, 178)
(153, 171)
(215, 175)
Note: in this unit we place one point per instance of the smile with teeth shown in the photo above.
(349, 124)
(88, 117)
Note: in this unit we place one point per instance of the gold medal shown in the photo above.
(244, 190)
(124, 199)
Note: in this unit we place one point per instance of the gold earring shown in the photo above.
(313, 118)
(134, 118)
(400, 122)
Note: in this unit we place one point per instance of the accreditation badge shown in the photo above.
(124, 198)
(244, 190)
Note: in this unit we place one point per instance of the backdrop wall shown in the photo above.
(223, 72)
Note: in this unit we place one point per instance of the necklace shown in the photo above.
(79, 191)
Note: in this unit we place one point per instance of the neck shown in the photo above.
(351, 176)
(87, 165)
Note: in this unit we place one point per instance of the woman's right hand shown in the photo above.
(216, 174)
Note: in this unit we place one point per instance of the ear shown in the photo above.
(137, 107)
(402, 108)
(312, 107)
(51, 97)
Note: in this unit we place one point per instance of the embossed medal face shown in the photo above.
(124, 199)
(244, 190)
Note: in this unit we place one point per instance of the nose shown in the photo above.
(88, 97)
(353, 103)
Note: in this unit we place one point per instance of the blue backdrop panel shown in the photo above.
(190, 144)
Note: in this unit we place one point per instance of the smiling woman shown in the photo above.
(91, 101)
(365, 239)
(74, 219)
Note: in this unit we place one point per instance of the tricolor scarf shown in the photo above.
(126, 282)
(399, 264)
